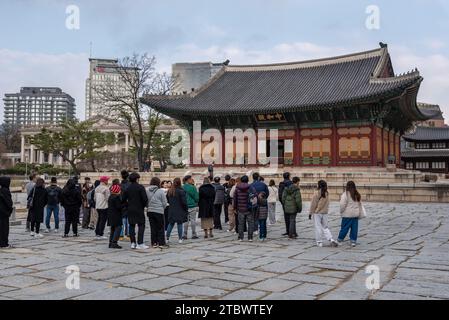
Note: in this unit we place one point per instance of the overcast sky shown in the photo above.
(37, 49)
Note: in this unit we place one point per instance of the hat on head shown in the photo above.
(116, 189)
(104, 179)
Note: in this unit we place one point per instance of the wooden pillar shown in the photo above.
(297, 148)
(383, 148)
(334, 145)
(373, 145)
(223, 148)
(191, 148)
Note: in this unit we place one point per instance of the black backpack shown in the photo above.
(53, 195)
(91, 198)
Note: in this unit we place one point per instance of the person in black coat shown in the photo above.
(178, 209)
(71, 200)
(206, 207)
(38, 198)
(115, 216)
(135, 198)
(6, 208)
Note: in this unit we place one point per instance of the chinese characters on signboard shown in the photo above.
(270, 117)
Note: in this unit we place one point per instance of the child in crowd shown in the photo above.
(319, 209)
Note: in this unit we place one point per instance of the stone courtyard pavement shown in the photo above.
(408, 242)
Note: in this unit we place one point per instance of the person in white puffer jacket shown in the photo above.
(102, 194)
(350, 210)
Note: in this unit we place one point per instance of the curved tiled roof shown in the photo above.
(290, 87)
(432, 110)
(428, 134)
(413, 153)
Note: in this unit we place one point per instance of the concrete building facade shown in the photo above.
(38, 106)
(191, 76)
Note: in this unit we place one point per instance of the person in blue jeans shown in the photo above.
(124, 185)
(54, 199)
(351, 210)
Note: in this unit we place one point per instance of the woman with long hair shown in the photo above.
(71, 200)
(319, 209)
(273, 197)
(351, 210)
(177, 210)
(38, 198)
(229, 205)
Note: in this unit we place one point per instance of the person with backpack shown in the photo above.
(124, 185)
(245, 200)
(102, 194)
(71, 200)
(319, 209)
(262, 215)
(136, 200)
(218, 203)
(93, 211)
(351, 210)
(227, 189)
(291, 198)
(6, 209)
(54, 198)
(28, 188)
(206, 207)
(157, 202)
(273, 198)
(192, 204)
(259, 186)
(38, 200)
(115, 211)
(86, 188)
(282, 186)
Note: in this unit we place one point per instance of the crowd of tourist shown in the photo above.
(124, 205)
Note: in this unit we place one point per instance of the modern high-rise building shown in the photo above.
(191, 76)
(102, 73)
(38, 106)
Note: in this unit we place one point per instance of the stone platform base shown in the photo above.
(375, 184)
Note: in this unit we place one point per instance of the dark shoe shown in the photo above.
(195, 237)
(211, 235)
(76, 235)
(285, 234)
(184, 238)
(65, 236)
(115, 246)
(206, 236)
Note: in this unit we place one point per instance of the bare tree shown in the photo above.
(10, 137)
(121, 103)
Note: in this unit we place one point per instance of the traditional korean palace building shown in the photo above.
(427, 149)
(342, 111)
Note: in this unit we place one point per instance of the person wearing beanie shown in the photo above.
(101, 204)
(115, 213)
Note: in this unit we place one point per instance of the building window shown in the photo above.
(438, 165)
(422, 165)
(439, 145)
(409, 165)
(422, 146)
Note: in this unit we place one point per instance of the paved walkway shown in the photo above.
(409, 243)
